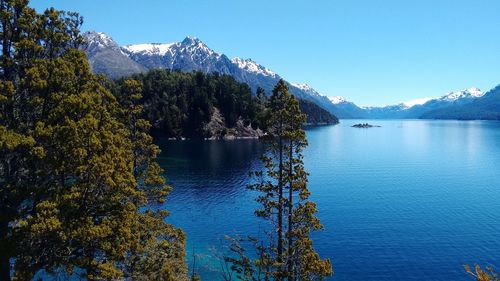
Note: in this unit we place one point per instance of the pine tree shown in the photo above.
(77, 168)
(480, 274)
(261, 111)
(284, 194)
(153, 258)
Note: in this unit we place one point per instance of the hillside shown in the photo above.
(191, 54)
(316, 114)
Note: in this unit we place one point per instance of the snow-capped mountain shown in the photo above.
(306, 88)
(347, 109)
(151, 49)
(408, 104)
(99, 41)
(466, 94)
(106, 56)
(463, 96)
(337, 99)
(478, 106)
(251, 66)
(419, 108)
(191, 54)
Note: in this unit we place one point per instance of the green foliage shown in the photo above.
(181, 104)
(283, 201)
(195, 277)
(238, 265)
(77, 167)
(316, 114)
(262, 109)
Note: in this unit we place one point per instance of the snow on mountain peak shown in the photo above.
(475, 92)
(467, 94)
(303, 86)
(191, 40)
(194, 45)
(449, 97)
(306, 88)
(337, 99)
(411, 103)
(250, 65)
(150, 48)
(99, 40)
(189, 44)
(104, 37)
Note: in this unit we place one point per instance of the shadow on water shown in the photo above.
(210, 199)
(209, 167)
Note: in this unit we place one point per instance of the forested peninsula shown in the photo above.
(207, 106)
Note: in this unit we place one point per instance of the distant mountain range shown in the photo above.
(466, 104)
(191, 54)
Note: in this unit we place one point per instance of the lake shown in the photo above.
(411, 200)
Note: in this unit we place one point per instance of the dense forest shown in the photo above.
(315, 114)
(182, 104)
(192, 104)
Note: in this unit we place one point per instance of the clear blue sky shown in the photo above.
(372, 52)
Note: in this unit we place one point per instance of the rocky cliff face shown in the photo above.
(106, 57)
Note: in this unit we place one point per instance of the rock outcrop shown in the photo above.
(216, 129)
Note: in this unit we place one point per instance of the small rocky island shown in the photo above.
(365, 125)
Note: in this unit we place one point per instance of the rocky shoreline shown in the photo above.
(217, 129)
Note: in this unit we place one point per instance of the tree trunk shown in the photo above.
(4, 253)
(4, 267)
(280, 203)
(291, 276)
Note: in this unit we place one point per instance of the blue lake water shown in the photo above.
(411, 200)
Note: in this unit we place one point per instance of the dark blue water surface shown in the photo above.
(412, 200)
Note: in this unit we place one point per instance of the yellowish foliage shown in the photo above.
(480, 274)
(77, 167)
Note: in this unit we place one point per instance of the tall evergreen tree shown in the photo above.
(292, 214)
(77, 169)
(261, 110)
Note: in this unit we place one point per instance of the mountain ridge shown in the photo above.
(105, 56)
(424, 108)
(190, 54)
